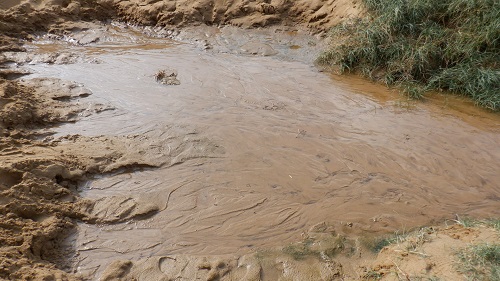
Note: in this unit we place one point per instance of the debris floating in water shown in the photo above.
(167, 77)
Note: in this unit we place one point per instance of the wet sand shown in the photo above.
(267, 147)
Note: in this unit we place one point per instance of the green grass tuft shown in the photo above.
(378, 244)
(424, 45)
(480, 262)
(495, 223)
(471, 222)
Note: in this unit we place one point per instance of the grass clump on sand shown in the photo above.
(480, 262)
(471, 222)
(423, 45)
(410, 241)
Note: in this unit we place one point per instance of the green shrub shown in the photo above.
(423, 45)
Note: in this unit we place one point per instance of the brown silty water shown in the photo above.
(272, 146)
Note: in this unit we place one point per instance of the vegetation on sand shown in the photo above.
(480, 262)
(424, 45)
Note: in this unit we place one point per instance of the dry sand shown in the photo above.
(40, 175)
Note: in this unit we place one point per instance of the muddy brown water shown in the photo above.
(299, 148)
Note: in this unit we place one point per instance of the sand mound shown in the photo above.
(430, 253)
(43, 102)
(30, 16)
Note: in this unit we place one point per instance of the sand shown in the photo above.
(40, 175)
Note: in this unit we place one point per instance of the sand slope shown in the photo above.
(29, 16)
(315, 14)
